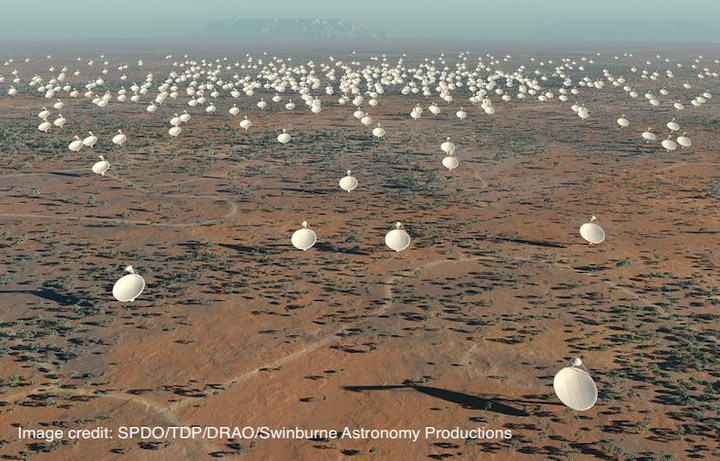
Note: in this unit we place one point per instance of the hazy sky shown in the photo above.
(438, 19)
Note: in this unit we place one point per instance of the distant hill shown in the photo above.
(283, 29)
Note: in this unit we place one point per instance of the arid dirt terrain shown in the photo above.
(466, 328)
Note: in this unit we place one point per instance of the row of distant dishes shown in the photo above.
(573, 385)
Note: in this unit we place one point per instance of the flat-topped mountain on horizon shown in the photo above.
(283, 29)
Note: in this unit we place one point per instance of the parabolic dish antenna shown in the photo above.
(245, 123)
(669, 145)
(450, 162)
(397, 239)
(129, 286)
(592, 232)
(684, 141)
(575, 387)
(447, 147)
(304, 238)
(76, 145)
(379, 131)
(283, 138)
(649, 135)
(348, 183)
(101, 167)
(119, 138)
(90, 140)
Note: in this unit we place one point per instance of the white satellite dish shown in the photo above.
(447, 147)
(175, 131)
(245, 123)
(649, 135)
(128, 287)
(416, 113)
(397, 239)
(592, 232)
(348, 183)
(304, 238)
(44, 126)
(673, 126)
(684, 141)
(379, 131)
(76, 145)
(283, 138)
(669, 144)
(623, 122)
(575, 387)
(450, 162)
(90, 140)
(119, 138)
(101, 167)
